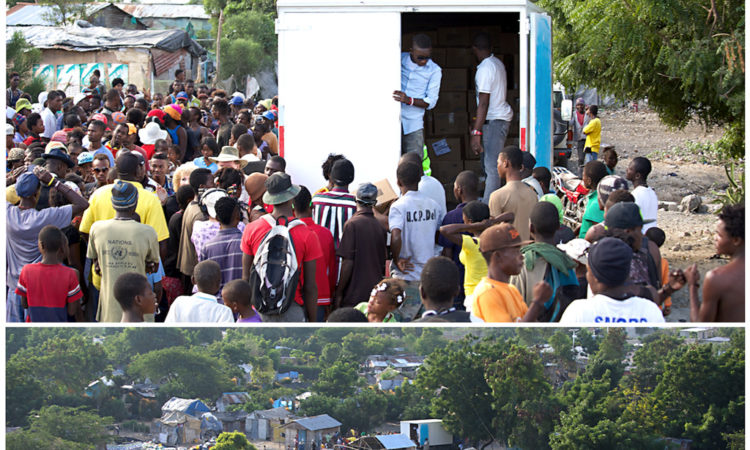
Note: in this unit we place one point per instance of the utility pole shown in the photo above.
(218, 47)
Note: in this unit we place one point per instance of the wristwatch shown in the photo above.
(476, 133)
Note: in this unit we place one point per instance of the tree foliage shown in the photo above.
(65, 12)
(233, 441)
(340, 379)
(57, 427)
(685, 56)
(20, 57)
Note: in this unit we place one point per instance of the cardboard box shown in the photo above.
(438, 56)
(428, 123)
(471, 103)
(453, 37)
(505, 43)
(450, 124)
(451, 101)
(474, 166)
(455, 153)
(455, 80)
(446, 171)
(449, 196)
(459, 57)
(386, 195)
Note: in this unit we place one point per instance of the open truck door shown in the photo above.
(345, 104)
(540, 92)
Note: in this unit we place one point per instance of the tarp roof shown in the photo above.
(164, 11)
(188, 406)
(29, 14)
(83, 37)
(321, 422)
(394, 441)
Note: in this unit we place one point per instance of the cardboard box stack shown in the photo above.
(447, 125)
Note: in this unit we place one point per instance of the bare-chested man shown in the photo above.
(723, 287)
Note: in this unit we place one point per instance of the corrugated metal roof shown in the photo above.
(167, 10)
(321, 422)
(394, 441)
(32, 14)
(163, 61)
(275, 413)
(90, 38)
(235, 397)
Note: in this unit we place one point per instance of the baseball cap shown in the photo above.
(236, 100)
(579, 101)
(528, 160)
(10, 130)
(609, 261)
(79, 97)
(209, 199)
(182, 94)
(577, 249)
(118, 117)
(624, 216)
(608, 185)
(85, 157)
(27, 184)
(367, 194)
(498, 237)
(269, 115)
(99, 116)
(22, 104)
(16, 154)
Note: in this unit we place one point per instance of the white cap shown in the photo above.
(80, 96)
(577, 249)
(42, 97)
(9, 130)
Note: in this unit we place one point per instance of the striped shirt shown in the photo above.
(332, 209)
(224, 248)
(48, 301)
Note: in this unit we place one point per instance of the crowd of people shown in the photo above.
(176, 207)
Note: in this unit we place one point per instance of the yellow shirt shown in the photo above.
(100, 208)
(593, 134)
(472, 259)
(495, 301)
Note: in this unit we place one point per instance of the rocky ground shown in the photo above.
(681, 166)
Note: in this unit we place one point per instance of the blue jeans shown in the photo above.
(13, 308)
(412, 142)
(493, 140)
(591, 156)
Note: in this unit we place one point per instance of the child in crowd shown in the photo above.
(657, 236)
(495, 300)
(593, 172)
(209, 149)
(438, 286)
(237, 296)
(46, 301)
(724, 287)
(385, 298)
(645, 197)
(134, 294)
(476, 217)
(609, 156)
(201, 306)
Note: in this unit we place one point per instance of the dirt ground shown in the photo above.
(680, 168)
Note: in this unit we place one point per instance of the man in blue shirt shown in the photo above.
(420, 85)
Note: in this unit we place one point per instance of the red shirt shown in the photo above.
(326, 267)
(306, 246)
(48, 301)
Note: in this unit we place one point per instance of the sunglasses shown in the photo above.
(100, 170)
(423, 58)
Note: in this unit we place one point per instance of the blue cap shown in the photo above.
(269, 115)
(85, 157)
(27, 184)
(237, 100)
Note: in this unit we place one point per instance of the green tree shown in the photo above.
(522, 400)
(685, 56)
(412, 403)
(202, 335)
(20, 57)
(233, 441)
(330, 354)
(562, 343)
(188, 372)
(70, 424)
(362, 412)
(122, 347)
(316, 405)
(585, 339)
(462, 398)
(337, 380)
(614, 345)
(65, 12)
(650, 359)
(431, 339)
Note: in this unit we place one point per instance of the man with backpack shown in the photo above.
(543, 261)
(279, 258)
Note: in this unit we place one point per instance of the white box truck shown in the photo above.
(420, 431)
(339, 62)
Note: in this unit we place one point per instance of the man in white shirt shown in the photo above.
(54, 104)
(493, 112)
(428, 185)
(414, 220)
(609, 267)
(201, 306)
(420, 85)
(645, 197)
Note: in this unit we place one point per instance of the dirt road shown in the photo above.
(680, 168)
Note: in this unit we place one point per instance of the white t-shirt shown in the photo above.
(432, 188)
(603, 309)
(646, 199)
(418, 217)
(198, 308)
(491, 79)
(50, 123)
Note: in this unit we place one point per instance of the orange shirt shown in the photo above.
(495, 301)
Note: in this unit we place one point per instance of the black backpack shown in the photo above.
(275, 272)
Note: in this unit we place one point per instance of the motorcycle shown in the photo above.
(573, 195)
